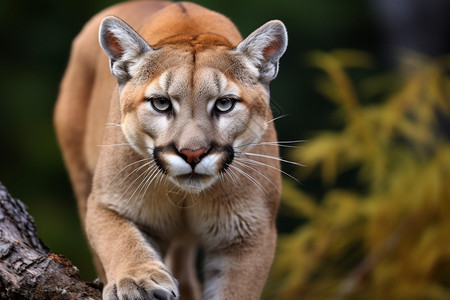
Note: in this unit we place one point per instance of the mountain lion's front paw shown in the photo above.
(154, 283)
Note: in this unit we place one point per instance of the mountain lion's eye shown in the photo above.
(160, 104)
(224, 105)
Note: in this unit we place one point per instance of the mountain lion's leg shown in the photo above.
(133, 267)
(239, 272)
(180, 259)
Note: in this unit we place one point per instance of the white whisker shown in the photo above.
(262, 175)
(276, 118)
(212, 194)
(255, 162)
(160, 180)
(140, 186)
(221, 175)
(194, 200)
(258, 185)
(133, 163)
(230, 176)
(179, 204)
(142, 174)
(126, 144)
(279, 144)
(271, 157)
(157, 172)
(134, 171)
(148, 181)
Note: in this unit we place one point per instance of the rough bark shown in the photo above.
(28, 269)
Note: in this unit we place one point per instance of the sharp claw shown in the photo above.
(160, 295)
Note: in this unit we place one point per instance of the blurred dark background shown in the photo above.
(35, 42)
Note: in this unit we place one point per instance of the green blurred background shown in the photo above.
(35, 42)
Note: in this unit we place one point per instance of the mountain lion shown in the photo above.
(175, 152)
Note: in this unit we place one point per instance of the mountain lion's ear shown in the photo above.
(122, 44)
(264, 47)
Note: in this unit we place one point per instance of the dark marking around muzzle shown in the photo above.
(193, 157)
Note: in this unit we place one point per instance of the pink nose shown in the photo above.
(193, 156)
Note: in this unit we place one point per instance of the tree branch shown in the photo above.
(28, 269)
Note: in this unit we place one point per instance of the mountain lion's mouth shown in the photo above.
(194, 181)
(193, 176)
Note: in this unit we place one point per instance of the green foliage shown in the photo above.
(384, 234)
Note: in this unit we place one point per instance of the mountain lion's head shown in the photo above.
(190, 100)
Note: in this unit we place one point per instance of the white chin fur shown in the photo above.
(193, 184)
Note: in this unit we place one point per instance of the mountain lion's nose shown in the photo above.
(193, 156)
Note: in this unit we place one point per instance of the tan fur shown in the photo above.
(107, 127)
